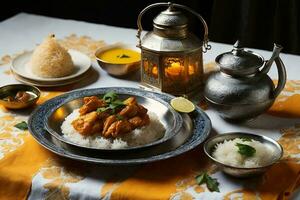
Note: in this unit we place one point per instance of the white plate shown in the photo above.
(49, 84)
(20, 66)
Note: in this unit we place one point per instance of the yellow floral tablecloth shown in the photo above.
(23, 160)
(27, 170)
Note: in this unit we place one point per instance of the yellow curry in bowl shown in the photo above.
(120, 56)
(119, 59)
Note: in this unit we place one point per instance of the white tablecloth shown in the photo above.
(24, 31)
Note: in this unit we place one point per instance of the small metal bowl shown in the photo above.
(11, 90)
(118, 69)
(209, 147)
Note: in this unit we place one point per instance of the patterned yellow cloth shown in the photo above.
(287, 104)
(24, 163)
(21, 155)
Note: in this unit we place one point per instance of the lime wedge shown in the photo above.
(182, 104)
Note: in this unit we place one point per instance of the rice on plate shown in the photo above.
(140, 136)
(51, 60)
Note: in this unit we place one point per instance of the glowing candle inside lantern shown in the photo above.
(174, 69)
(155, 71)
(191, 69)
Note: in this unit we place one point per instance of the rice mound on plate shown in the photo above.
(51, 60)
(141, 136)
(227, 153)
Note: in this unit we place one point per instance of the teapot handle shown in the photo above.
(281, 76)
(140, 28)
(280, 69)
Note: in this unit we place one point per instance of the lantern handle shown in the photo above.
(169, 4)
(139, 20)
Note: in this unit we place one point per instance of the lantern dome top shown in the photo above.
(171, 18)
(170, 31)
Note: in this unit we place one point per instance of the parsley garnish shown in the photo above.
(111, 98)
(103, 109)
(245, 150)
(116, 104)
(22, 126)
(211, 183)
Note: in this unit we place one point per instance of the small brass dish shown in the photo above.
(242, 172)
(118, 69)
(11, 91)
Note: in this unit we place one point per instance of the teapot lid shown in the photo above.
(239, 61)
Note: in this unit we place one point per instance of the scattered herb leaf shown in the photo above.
(200, 179)
(22, 126)
(211, 183)
(123, 56)
(245, 150)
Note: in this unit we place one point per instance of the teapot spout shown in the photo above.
(276, 51)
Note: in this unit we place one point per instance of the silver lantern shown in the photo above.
(172, 56)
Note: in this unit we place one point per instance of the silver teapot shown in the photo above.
(242, 90)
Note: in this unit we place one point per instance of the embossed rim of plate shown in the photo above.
(201, 130)
(51, 84)
(70, 96)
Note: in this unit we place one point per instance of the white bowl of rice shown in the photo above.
(243, 154)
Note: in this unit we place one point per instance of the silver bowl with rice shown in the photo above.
(225, 151)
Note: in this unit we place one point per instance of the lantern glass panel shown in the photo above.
(150, 70)
(195, 71)
(173, 73)
(181, 74)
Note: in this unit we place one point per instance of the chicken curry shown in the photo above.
(110, 116)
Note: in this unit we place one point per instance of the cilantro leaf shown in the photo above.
(112, 101)
(116, 104)
(110, 96)
(200, 179)
(245, 150)
(102, 109)
(22, 126)
(211, 183)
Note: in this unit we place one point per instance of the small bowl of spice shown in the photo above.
(243, 154)
(119, 59)
(18, 96)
